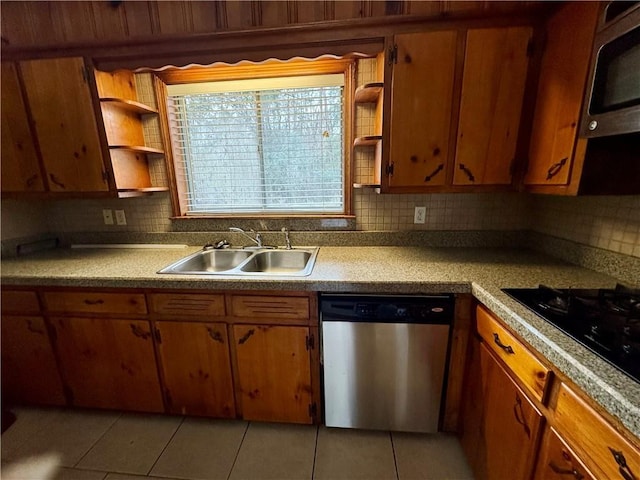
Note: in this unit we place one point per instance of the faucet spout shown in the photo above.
(257, 240)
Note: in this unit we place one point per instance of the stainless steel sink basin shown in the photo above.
(298, 262)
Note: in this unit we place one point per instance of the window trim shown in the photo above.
(244, 70)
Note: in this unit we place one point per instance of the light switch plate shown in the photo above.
(121, 218)
(107, 216)
(419, 215)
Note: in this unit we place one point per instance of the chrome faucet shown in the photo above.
(287, 241)
(257, 240)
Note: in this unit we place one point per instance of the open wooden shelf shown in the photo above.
(137, 148)
(367, 141)
(139, 192)
(369, 92)
(131, 105)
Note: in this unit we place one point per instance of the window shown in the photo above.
(273, 145)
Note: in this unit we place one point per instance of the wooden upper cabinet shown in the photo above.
(61, 105)
(421, 105)
(495, 72)
(555, 153)
(20, 163)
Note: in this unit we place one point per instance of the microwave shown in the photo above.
(612, 98)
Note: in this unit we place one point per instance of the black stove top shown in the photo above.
(607, 321)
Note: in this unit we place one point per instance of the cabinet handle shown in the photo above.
(246, 336)
(519, 414)
(506, 348)
(434, 173)
(560, 471)
(555, 168)
(94, 302)
(138, 332)
(467, 172)
(56, 181)
(215, 335)
(623, 468)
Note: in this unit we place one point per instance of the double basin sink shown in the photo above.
(297, 262)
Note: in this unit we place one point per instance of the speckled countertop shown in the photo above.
(480, 271)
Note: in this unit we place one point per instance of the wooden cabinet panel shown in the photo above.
(507, 433)
(95, 302)
(61, 104)
(108, 363)
(21, 302)
(196, 367)
(555, 149)
(421, 106)
(520, 361)
(29, 370)
(20, 163)
(122, 126)
(273, 373)
(259, 306)
(495, 71)
(604, 449)
(202, 306)
(557, 461)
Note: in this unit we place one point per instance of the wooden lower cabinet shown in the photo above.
(273, 381)
(501, 425)
(194, 359)
(556, 461)
(29, 370)
(108, 363)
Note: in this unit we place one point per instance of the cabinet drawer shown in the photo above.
(533, 374)
(269, 307)
(187, 305)
(604, 449)
(95, 302)
(557, 461)
(14, 301)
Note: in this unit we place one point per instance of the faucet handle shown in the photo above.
(287, 240)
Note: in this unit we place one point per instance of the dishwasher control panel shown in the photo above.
(390, 309)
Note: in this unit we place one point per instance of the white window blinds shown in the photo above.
(260, 146)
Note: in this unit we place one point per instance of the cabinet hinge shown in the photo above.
(389, 168)
(105, 179)
(313, 410)
(530, 48)
(310, 342)
(156, 333)
(85, 73)
(393, 54)
(68, 393)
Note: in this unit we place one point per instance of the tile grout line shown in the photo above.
(165, 447)
(97, 440)
(238, 451)
(315, 453)
(395, 460)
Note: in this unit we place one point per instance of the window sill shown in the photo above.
(264, 222)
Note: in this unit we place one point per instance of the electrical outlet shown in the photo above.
(107, 216)
(419, 214)
(121, 218)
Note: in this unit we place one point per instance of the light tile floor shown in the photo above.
(94, 445)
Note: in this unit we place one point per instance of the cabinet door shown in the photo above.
(20, 164)
(65, 121)
(196, 367)
(422, 95)
(273, 373)
(557, 461)
(506, 433)
(555, 149)
(108, 363)
(29, 371)
(495, 71)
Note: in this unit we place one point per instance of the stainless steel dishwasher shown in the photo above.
(384, 360)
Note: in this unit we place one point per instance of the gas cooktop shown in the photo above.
(607, 321)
